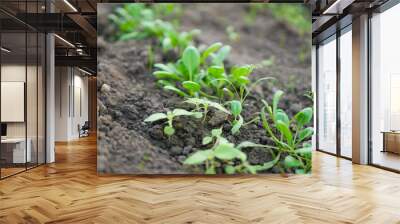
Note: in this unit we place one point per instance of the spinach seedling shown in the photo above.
(232, 34)
(185, 73)
(292, 135)
(236, 110)
(236, 85)
(173, 39)
(204, 105)
(225, 156)
(139, 21)
(169, 130)
(215, 135)
(187, 76)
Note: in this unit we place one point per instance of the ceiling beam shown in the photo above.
(84, 24)
(76, 61)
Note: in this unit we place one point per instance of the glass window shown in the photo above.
(22, 93)
(15, 150)
(385, 89)
(327, 96)
(41, 98)
(346, 94)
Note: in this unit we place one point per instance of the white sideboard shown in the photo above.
(18, 145)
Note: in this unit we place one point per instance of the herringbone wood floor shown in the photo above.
(70, 191)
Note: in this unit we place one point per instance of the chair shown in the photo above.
(84, 130)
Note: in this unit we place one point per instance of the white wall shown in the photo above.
(62, 81)
(70, 83)
(12, 73)
(33, 126)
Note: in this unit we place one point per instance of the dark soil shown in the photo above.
(127, 93)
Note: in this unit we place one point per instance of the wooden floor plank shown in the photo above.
(70, 191)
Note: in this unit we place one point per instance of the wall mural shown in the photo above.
(204, 88)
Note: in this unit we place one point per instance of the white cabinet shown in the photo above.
(18, 149)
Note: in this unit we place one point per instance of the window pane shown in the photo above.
(15, 150)
(31, 97)
(346, 94)
(327, 97)
(41, 99)
(385, 86)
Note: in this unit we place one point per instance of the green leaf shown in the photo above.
(285, 131)
(191, 86)
(229, 92)
(198, 157)
(266, 105)
(251, 169)
(176, 90)
(242, 80)
(219, 107)
(166, 75)
(221, 55)
(242, 71)
(211, 49)
(226, 151)
(191, 59)
(156, 117)
(167, 44)
(130, 36)
(181, 112)
(193, 32)
(300, 171)
(168, 130)
(229, 169)
(163, 83)
(197, 101)
(275, 100)
(247, 144)
(304, 116)
(207, 140)
(237, 124)
(211, 170)
(282, 116)
(167, 68)
(216, 132)
(236, 107)
(305, 133)
(216, 71)
(291, 162)
(305, 150)
(242, 156)
(269, 164)
(197, 115)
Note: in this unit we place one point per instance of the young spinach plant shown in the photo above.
(139, 21)
(203, 105)
(186, 76)
(169, 130)
(236, 110)
(222, 156)
(225, 157)
(291, 135)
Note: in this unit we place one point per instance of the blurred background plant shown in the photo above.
(140, 21)
(232, 34)
(296, 17)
